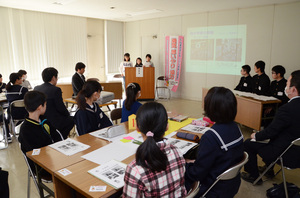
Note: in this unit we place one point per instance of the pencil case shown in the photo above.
(187, 136)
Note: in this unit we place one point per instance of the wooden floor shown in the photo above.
(12, 160)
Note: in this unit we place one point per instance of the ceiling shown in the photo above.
(132, 10)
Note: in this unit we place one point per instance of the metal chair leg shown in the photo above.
(268, 168)
(283, 177)
(28, 185)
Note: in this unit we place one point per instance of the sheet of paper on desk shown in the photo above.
(195, 128)
(69, 146)
(115, 150)
(255, 96)
(182, 145)
(100, 134)
(111, 173)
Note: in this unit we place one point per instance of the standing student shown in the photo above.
(246, 81)
(90, 117)
(56, 111)
(124, 64)
(158, 168)
(148, 61)
(25, 82)
(2, 84)
(261, 82)
(14, 91)
(138, 62)
(78, 78)
(130, 104)
(220, 148)
(36, 131)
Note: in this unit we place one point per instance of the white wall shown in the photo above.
(272, 36)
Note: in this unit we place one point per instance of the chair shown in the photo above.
(229, 173)
(280, 158)
(194, 190)
(116, 114)
(13, 122)
(4, 141)
(160, 85)
(35, 179)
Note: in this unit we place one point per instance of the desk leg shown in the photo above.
(61, 189)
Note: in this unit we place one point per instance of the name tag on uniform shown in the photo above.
(259, 88)
(280, 93)
(245, 84)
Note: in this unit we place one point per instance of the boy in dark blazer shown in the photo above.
(56, 111)
(78, 78)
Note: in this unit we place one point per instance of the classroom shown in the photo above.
(269, 29)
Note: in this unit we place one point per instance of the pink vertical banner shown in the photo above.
(173, 60)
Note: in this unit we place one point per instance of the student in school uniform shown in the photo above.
(261, 82)
(2, 84)
(220, 148)
(36, 131)
(78, 78)
(246, 81)
(130, 104)
(148, 62)
(138, 62)
(56, 111)
(25, 82)
(158, 168)
(90, 117)
(14, 91)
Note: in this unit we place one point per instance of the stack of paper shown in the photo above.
(182, 145)
(69, 146)
(195, 128)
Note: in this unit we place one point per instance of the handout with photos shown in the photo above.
(111, 173)
(182, 145)
(195, 128)
(69, 146)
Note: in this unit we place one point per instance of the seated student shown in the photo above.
(90, 117)
(56, 111)
(14, 91)
(220, 148)
(36, 131)
(130, 104)
(281, 132)
(158, 168)
(78, 78)
(278, 84)
(139, 62)
(25, 82)
(2, 84)
(246, 81)
(148, 61)
(261, 81)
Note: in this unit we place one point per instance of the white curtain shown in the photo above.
(34, 40)
(114, 46)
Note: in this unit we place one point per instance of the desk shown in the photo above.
(73, 101)
(249, 110)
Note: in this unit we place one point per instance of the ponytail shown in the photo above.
(13, 77)
(152, 120)
(131, 92)
(87, 91)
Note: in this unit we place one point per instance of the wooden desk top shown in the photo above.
(73, 101)
(52, 160)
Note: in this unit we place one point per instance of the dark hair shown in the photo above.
(138, 59)
(279, 69)
(33, 99)
(128, 55)
(87, 91)
(247, 68)
(152, 116)
(220, 105)
(48, 74)
(79, 66)
(295, 81)
(148, 55)
(260, 65)
(22, 72)
(131, 91)
(13, 77)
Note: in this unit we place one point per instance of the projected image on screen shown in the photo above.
(218, 49)
(202, 49)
